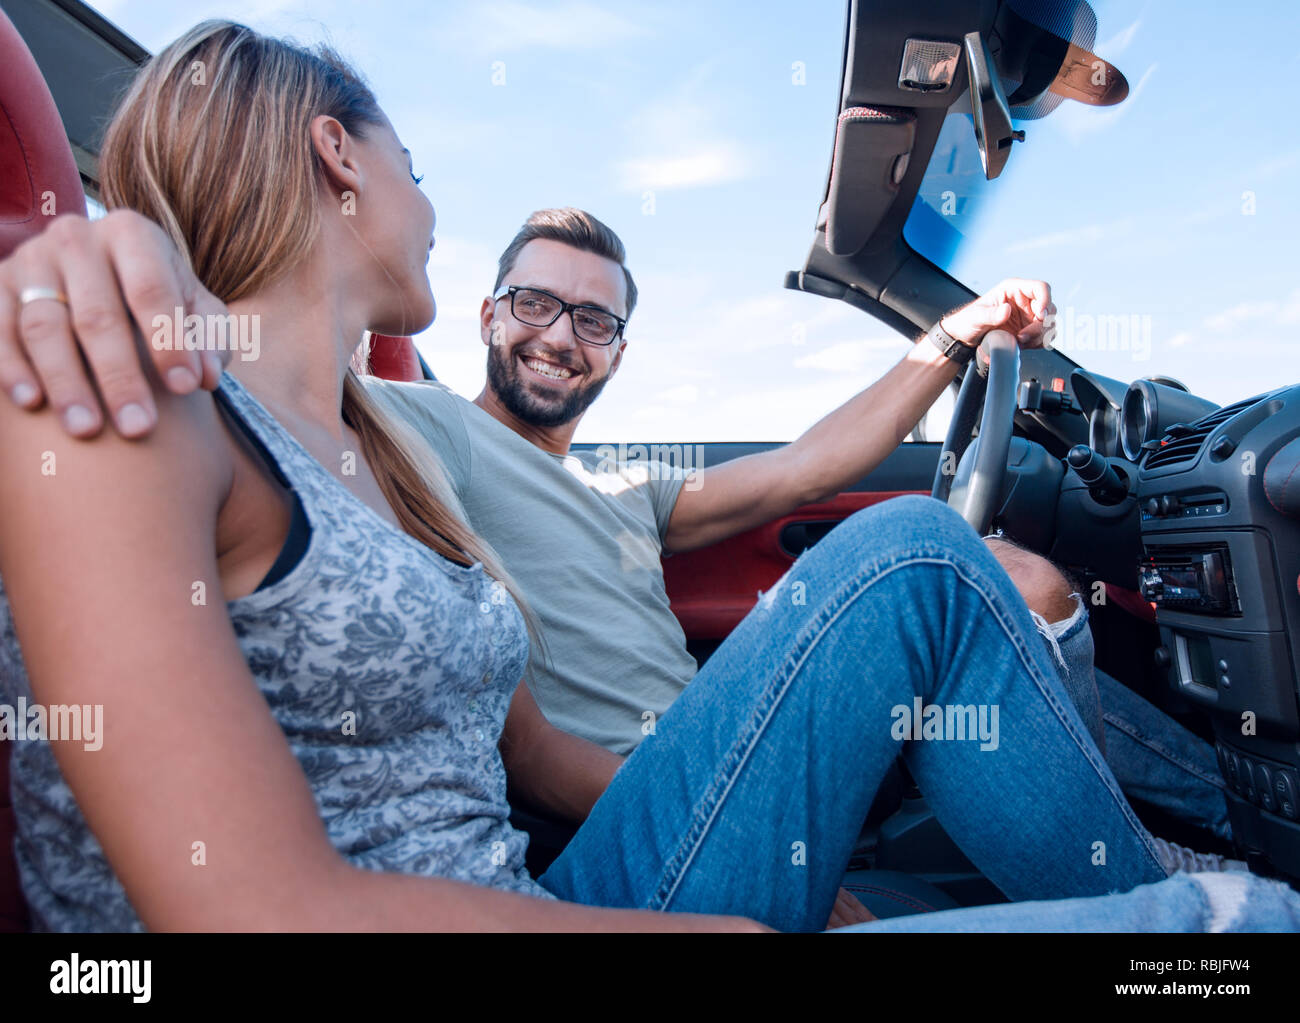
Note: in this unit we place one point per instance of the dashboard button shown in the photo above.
(1284, 791)
(1232, 770)
(1246, 779)
(1264, 787)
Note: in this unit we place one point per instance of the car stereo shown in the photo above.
(1196, 579)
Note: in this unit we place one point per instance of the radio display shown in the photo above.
(1183, 579)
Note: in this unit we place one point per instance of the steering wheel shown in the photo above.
(975, 494)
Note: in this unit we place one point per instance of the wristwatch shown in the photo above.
(958, 351)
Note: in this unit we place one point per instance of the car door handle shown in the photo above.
(797, 537)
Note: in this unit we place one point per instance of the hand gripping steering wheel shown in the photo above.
(975, 493)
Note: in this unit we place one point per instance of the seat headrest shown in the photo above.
(1282, 479)
(394, 358)
(38, 175)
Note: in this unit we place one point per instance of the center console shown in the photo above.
(1219, 502)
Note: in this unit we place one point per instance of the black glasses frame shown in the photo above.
(565, 307)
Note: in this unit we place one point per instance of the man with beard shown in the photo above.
(584, 538)
(584, 542)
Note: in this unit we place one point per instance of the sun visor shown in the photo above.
(872, 147)
(1046, 48)
(1087, 78)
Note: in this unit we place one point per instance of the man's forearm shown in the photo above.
(563, 774)
(833, 454)
(846, 445)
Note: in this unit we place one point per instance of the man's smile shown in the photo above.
(546, 369)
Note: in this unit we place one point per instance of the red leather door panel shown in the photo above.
(713, 588)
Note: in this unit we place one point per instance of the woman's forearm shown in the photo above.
(356, 899)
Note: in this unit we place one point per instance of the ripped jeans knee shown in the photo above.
(1069, 642)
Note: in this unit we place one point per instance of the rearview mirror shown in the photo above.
(993, 131)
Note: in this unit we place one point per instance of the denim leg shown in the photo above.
(1153, 757)
(1157, 760)
(1184, 902)
(748, 797)
(1070, 644)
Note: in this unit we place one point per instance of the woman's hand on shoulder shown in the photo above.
(119, 275)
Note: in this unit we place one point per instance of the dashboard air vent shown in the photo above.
(1184, 443)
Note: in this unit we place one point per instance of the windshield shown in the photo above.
(1166, 225)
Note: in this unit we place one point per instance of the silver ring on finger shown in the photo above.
(29, 295)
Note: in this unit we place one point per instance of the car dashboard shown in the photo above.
(1215, 497)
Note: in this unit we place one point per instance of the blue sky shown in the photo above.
(1135, 211)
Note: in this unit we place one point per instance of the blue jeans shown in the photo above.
(1153, 757)
(900, 625)
(1184, 902)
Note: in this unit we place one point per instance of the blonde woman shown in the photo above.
(308, 663)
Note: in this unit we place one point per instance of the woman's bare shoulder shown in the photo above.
(70, 494)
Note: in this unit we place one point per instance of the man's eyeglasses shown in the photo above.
(539, 308)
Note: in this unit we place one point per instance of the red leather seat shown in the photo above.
(394, 358)
(36, 164)
(37, 175)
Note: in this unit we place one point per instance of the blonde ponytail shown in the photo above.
(212, 142)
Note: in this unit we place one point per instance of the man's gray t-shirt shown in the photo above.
(582, 539)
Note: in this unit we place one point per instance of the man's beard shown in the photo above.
(527, 407)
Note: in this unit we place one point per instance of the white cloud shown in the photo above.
(1117, 43)
(855, 356)
(1243, 312)
(1257, 314)
(712, 165)
(1284, 161)
(677, 142)
(1079, 120)
(788, 410)
(1087, 234)
(779, 319)
(434, 133)
(1231, 204)
(686, 394)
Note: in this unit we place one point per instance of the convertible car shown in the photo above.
(1180, 517)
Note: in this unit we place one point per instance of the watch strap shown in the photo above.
(958, 351)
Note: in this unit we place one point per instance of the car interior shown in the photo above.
(1179, 518)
